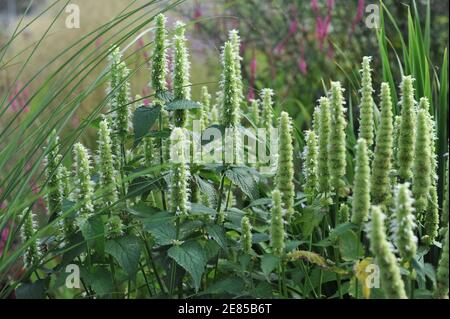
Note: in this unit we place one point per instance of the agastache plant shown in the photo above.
(403, 223)
(84, 191)
(382, 159)
(159, 56)
(322, 156)
(105, 160)
(422, 163)
(32, 252)
(277, 224)
(391, 279)
(180, 173)
(310, 164)
(53, 174)
(337, 140)
(254, 112)
(405, 153)
(246, 235)
(285, 170)
(361, 189)
(230, 88)
(181, 82)
(267, 108)
(366, 128)
(236, 44)
(206, 107)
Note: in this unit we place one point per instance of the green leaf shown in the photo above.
(143, 120)
(143, 185)
(218, 234)
(164, 234)
(268, 263)
(182, 105)
(35, 290)
(350, 246)
(126, 251)
(100, 279)
(246, 179)
(310, 219)
(207, 189)
(157, 220)
(165, 96)
(142, 210)
(191, 257)
(94, 233)
(211, 249)
(231, 285)
(199, 209)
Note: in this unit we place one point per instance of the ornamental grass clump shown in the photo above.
(382, 160)
(285, 169)
(391, 279)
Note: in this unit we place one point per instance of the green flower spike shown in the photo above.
(382, 160)
(405, 155)
(230, 90)
(32, 252)
(181, 83)
(277, 224)
(236, 44)
(254, 112)
(53, 175)
(366, 128)
(361, 188)
(322, 156)
(391, 279)
(309, 156)
(431, 218)
(159, 56)
(285, 171)
(422, 163)
(344, 214)
(246, 235)
(441, 289)
(267, 108)
(337, 140)
(316, 121)
(84, 191)
(105, 159)
(206, 107)
(180, 174)
(403, 224)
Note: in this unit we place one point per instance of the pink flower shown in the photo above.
(74, 121)
(251, 92)
(293, 27)
(140, 43)
(315, 6)
(4, 239)
(303, 67)
(279, 48)
(358, 17)
(19, 98)
(98, 42)
(145, 92)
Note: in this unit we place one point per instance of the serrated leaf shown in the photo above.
(100, 279)
(310, 219)
(142, 210)
(143, 185)
(268, 263)
(199, 209)
(143, 120)
(246, 179)
(35, 290)
(191, 257)
(165, 96)
(230, 285)
(157, 220)
(164, 234)
(350, 246)
(207, 189)
(126, 251)
(218, 234)
(94, 232)
(182, 105)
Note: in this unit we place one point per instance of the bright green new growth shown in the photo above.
(107, 180)
(404, 223)
(344, 214)
(405, 155)
(316, 121)
(277, 224)
(337, 140)
(391, 279)
(179, 187)
(322, 156)
(32, 252)
(230, 88)
(366, 128)
(246, 235)
(382, 160)
(206, 107)
(310, 164)
(53, 175)
(84, 191)
(159, 56)
(431, 222)
(285, 171)
(267, 108)
(361, 188)
(254, 112)
(422, 163)
(181, 83)
(236, 44)
(442, 280)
